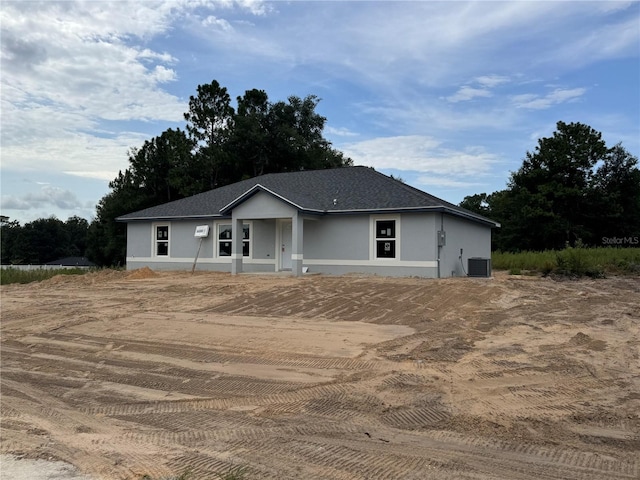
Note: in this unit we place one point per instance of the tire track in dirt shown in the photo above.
(66, 429)
(412, 301)
(241, 437)
(565, 458)
(415, 418)
(179, 406)
(77, 343)
(163, 379)
(334, 460)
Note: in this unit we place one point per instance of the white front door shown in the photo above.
(285, 244)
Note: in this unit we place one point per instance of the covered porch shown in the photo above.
(289, 230)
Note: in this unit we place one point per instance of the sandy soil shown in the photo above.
(133, 374)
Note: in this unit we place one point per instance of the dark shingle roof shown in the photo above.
(73, 262)
(339, 190)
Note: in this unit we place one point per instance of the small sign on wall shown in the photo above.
(202, 231)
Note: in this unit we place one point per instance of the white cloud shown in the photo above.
(163, 74)
(433, 116)
(69, 67)
(486, 83)
(47, 197)
(491, 81)
(340, 132)
(538, 102)
(427, 43)
(421, 154)
(468, 93)
(217, 23)
(438, 181)
(609, 40)
(150, 55)
(255, 7)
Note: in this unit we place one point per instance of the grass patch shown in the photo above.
(15, 275)
(572, 261)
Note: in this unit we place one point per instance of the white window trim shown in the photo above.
(154, 240)
(372, 238)
(216, 243)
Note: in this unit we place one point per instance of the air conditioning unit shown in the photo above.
(479, 267)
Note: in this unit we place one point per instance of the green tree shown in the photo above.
(476, 203)
(250, 140)
(280, 136)
(210, 123)
(106, 238)
(615, 197)
(10, 239)
(42, 241)
(296, 141)
(570, 188)
(551, 186)
(77, 229)
(163, 168)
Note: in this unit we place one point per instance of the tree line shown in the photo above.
(43, 240)
(571, 190)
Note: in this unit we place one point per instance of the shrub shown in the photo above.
(574, 261)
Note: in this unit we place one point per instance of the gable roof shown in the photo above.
(315, 192)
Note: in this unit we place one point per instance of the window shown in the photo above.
(385, 237)
(162, 241)
(225, 240)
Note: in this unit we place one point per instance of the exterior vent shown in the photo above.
(479, 267)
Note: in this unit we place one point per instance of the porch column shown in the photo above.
(236, 245)
(297, 227)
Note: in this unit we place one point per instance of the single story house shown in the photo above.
(335, 221)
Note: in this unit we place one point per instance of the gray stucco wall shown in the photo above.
(332, 244)
(339, 237)
(418, 237)
(182, 243)
(473, 238)
(263, 205)
(264, 239)
(139, 239)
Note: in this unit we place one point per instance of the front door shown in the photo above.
(285, 245)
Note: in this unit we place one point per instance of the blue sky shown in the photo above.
(447, 95)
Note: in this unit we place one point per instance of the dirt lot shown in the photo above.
(127, 374)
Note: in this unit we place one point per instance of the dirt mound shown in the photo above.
(583, 340)
(105, 275)
(142, 273)
(59, 279)
(580, 339)
(91, 278)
